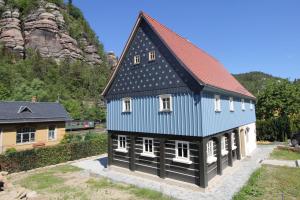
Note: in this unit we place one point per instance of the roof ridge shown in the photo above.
(187, 40)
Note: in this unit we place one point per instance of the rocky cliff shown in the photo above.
(45, 30)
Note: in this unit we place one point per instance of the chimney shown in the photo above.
(33, 99)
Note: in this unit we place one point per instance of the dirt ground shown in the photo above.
(68, 182)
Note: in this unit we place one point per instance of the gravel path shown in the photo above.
(221, 187)
(288, 163)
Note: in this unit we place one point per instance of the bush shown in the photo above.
(71, 138)
(93, 136)
(40, 157)
(10, 150)
(277, 129)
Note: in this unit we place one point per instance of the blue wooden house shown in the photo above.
(173, 110)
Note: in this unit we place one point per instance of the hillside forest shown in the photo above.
(77, 84)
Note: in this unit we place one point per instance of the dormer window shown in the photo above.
(243, 104)
(126, 104)
(23, 109)
(136, 59)
(217, 103)
(151, 55)
(165, 103)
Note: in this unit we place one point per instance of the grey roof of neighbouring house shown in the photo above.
(23, 112)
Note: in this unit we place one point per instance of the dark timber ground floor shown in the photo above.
(191, 159)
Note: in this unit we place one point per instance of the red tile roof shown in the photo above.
(202, 66)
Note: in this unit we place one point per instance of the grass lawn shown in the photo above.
(269, 182)
(69, 182)
(282, 154)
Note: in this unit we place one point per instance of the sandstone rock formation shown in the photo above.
(44, 30)
(10, 31)
(112, 60)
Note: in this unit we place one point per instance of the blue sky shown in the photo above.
(260, 35)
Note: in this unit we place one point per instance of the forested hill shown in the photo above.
(48, 50)
(255, 81)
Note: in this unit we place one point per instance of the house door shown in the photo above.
(243, 142)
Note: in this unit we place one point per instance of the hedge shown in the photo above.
(40, 157)
(277, 129)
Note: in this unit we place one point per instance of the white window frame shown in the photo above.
(122, 148)
(243, 104)
(148, 153)
(233, 146)
(161, 103)
(211, 158)
(124, 107)
(251, 105)
(22, 132)
(182, 159)
(217, 103)
(223, 145)
(54, 133)
(231, 104)
(151, 55)
(136, 59)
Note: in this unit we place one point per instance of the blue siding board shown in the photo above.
(192, 115)
(145, 116)
(214, 122)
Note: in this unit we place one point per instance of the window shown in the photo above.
(233, 142)
(25, 135)
(182, 150)
(243, 104)
(148, 147)
(247, 134)
(224, 143)
(211, 153)
(231, 104)
(122, 142)
(51, 133)
(217, 103)
(151, 55)
(127, 104)
(165, 103)
(136, 59)
(251, 105)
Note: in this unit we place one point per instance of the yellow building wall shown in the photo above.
(9, 135)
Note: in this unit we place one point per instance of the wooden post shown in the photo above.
(219, 155)
(230, 150)
(203, 163)
(162, 166)
(132, 153)
(238, 149)
(109, 149)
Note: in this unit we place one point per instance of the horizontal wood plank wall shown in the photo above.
(185, 172)
(146, 164)
(211, 170)
(120, 159)
(224, 162)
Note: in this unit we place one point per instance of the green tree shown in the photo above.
(279, 98)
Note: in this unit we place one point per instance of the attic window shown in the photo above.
(151, 55)
(23, 109)
(136, 59)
